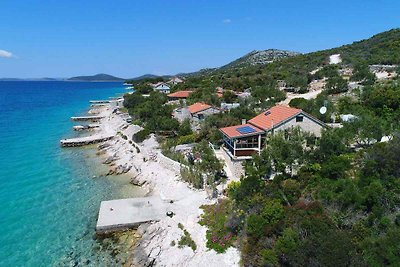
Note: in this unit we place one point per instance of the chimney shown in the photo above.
(243, 121)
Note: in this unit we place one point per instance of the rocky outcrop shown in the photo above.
(140, 256)
(262, 57)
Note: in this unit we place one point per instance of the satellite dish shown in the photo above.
(322, 110)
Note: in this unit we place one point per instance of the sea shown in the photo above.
(50, 196)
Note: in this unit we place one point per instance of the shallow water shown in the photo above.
(48, 194)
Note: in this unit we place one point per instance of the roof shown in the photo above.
(159, 84)
(274, 116)
(176, 79)
(237, 130)
(197, 107)
(180, 94)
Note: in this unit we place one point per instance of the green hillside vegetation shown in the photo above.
(328, 204)
(383, 48)
(259, 57)
(304, 201)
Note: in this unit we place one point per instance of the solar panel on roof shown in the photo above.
(267, 113)
(246, 130)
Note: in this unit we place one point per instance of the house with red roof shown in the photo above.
(242, 141)
(199, 110)
(179, 95)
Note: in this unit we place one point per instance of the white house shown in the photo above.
(175, 80)
(162, 87)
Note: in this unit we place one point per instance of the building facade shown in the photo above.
(242, 141)
(162, 87)
(199, 111)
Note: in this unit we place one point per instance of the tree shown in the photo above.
(332, 143)
(384, 250)
(336, 167)
(362, 74)
(366, 129)
(184, 128)
(229, 97)
(336, 85)
(209, 164)
(286, 150)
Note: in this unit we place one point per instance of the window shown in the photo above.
(299, 119)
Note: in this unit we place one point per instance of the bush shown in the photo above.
(269, 257)
(184, 128)
(141, 136)
(186, 139)
(215, 217)
(193, 177)
(255, 225)
(186, 239)
(336, 167)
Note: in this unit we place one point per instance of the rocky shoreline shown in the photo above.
(159, 176)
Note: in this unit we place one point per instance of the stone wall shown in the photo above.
(169, 164)
(306, 125)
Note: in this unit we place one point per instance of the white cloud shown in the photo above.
(226, 21)
(6, 54)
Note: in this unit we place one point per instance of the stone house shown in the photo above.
(199, 111)
(242, 141)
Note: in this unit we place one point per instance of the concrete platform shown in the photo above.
(87, 118)
(85, 127)
(83, 141)
(122, 214)
(99, 101)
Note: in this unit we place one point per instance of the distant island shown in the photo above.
(97, 78)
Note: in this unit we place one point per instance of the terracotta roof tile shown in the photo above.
(197, 107)
(180, 94)
(275, 115)
(232, 131)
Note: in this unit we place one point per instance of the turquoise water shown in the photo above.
(49, 198)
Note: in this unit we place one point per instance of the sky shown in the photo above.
(128, 38)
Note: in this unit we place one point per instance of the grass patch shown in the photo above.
(186, 239)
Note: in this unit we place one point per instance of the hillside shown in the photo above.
(145, 76)
(260, 58)
(302, 201)
(97, 78)
(383, 48)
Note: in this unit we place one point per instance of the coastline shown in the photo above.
(159, 176)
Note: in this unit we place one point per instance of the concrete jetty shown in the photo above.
(82, 141)
(98, 105)
(122, 214)
(116, 97)
(87, 118)
(85, 127)
(99, 101)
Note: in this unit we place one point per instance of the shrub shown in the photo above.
(186, 239)
(336, 167)
(186, 139)
(141, 136)
(184, 128)
(269, 257)
(193, 177)
(215, 217)
(255, 225)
